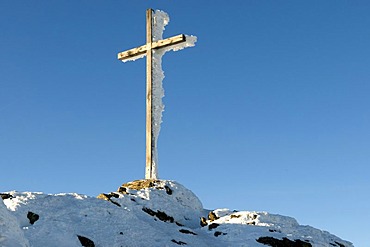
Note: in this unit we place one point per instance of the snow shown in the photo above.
(132, 220)
(11, 234)
(160, 20)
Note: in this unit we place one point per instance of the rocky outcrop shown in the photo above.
(5, 196)
(32, 217)
(144, 184)
(138, 185)
(285, 242)
(212, 216)
(187, 232)
(159, 214)
(203, 221)
(213, 226)
(86, 242)
(108, 197)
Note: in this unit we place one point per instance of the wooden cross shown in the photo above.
(147, 49)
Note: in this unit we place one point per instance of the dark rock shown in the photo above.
(217, 233)
(187, 232)
(32, 217)
(235, 216)
(213, 226)
(212, 216)
(159, 214)
(115, 203)
(149, 211)
(5, 196)
(203, 222)
(121, 233)
(340, 245)
(122, 190)
(168, 190)
(164, 217)
(285, 242)
(85, 241)
(107, 197)
(179, 224)
(113, 194)
(178, 242)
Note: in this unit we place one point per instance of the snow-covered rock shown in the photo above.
(11, 234)
(145, 213)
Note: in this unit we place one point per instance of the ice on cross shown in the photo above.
(154, 49)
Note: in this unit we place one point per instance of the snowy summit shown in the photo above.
(144, 213)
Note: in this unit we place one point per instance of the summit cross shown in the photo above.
(172, 43)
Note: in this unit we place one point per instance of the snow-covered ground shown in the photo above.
(144, 213)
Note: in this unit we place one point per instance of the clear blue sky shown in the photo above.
(270, 111)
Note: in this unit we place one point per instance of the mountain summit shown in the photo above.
(144, 213)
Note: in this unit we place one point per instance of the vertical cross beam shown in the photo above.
(176, 42)
(149, 83)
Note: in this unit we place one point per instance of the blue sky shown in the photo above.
(269, 111)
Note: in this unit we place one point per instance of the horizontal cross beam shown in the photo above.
(154, 45)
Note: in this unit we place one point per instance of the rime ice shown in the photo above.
(161, 19)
